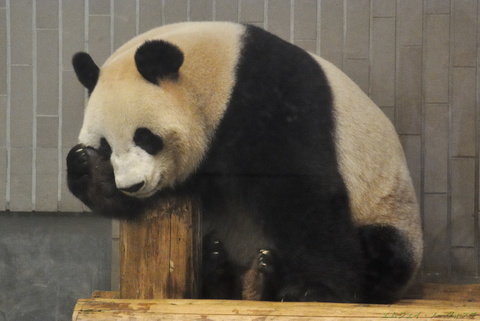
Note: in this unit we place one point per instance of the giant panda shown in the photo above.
(301, 177)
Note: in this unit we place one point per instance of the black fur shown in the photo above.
(390, 263)
(86, 69)
(270, 180)
(274, 153)
(148, 141)
(157, 59)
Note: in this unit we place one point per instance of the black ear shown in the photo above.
(86, 69)
(157, 59)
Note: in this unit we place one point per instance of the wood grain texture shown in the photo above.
(159, 254)
(186, 310)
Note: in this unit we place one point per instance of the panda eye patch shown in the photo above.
(104, 150)
(148, 141)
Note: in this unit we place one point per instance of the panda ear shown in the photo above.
(157, 59)
(86, 69)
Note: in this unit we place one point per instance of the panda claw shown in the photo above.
(266, 261)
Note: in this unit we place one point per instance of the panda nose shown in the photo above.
(134, 188)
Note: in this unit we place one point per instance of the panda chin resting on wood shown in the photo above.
(303, 184)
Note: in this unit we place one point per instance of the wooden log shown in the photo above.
(160, 254)
(213, 310)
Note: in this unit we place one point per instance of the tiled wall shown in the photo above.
(417, 59)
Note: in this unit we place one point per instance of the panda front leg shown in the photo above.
(219, 280)
(91, 179)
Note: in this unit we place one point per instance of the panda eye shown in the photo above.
(105, 150)
(148, 141)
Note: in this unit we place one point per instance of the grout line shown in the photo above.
(112, 26)
(214, 10)
(60, 106)
(239, 10)
(265, 14)
(9, 105)
(137, 17)
(292, 20)
(34, 105)
(86, 25)
(319, 24)
(163, 13)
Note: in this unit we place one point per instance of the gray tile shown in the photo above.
(150, 14)
(124, 22)
(436, 148)
(3, 178)
(47, 14)
(73, 36)
(357, 34)
(68, 202)
(412, 146)
(464, 263)
(175, 11)
(305, 20)
(358, 70)
(3, 120)
(251, 11)
(389, 112)
(383, 8)
(436, 58)
(46, 189)
(21, 180)
(21, 31)
(47, 131)
(3, 3)
(437, 6)
(99, 7)
(73, 107)
(279, 18)
(383, 61)
(332, 35)
(308, 45)
(21, 114)
(47, 72)
(464, 32)
(408, 111)
(463, 202)
(3, 53)
(463, 111)
(201, 10)
(437, 244)
(226, 10)
(99, 38)
(409, 22)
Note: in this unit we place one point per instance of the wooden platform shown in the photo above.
(439, 302)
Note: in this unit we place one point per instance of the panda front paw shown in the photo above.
(80, 167)
(78, 161)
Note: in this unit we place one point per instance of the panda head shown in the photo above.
(143, 115)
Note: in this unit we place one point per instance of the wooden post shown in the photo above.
(160, 254)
